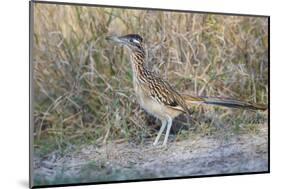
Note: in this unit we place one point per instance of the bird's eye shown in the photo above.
(131, 40)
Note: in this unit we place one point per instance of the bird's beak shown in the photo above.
(116, 39)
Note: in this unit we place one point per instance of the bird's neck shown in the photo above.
(138, 63)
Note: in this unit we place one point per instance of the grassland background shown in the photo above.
(83, 90)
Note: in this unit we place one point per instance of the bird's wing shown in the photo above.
(163, 92)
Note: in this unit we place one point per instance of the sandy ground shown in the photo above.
(125, 161)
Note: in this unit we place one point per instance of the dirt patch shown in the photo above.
(126, 161)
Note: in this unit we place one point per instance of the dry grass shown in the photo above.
(83, 90)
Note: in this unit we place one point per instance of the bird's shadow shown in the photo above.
(182, 122)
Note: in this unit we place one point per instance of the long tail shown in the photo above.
(223, 102)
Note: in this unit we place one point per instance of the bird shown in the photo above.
(157, 97)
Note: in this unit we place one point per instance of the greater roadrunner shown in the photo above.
(157, 97)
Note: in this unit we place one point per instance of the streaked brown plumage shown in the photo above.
(157, 96)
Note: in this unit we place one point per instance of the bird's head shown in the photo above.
(131, 41)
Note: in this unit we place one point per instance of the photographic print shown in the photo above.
(123, 94)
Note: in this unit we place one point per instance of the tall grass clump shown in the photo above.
(83, 90)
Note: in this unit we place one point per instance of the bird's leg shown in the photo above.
(169, 125)
(164, 123)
